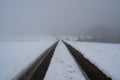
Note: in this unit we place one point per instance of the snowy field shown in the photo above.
(106, 56)
(17, 55)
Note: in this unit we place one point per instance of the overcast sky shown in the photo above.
(36, 17)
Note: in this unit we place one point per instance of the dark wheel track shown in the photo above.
(90, 69)
(38, 69)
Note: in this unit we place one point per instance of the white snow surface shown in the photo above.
(105, 56)
(63, 66)
(17, 55)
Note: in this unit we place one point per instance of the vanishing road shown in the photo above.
(61, 61)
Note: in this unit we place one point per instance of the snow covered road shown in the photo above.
(66, 64)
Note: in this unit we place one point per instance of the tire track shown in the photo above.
(37, 70)
(92, 72)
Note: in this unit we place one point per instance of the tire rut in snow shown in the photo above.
(38, 69)
(90, 69)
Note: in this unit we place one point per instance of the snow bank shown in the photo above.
(16, 55)
(103, 55)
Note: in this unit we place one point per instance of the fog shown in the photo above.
(59, 17)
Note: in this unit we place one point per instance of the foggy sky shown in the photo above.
(36, 17)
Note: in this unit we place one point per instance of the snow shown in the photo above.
(106, 56)
(17, 55)
(63, 66)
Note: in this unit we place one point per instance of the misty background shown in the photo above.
(99, 19)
